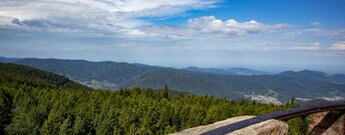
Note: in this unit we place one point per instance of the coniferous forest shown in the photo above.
(38, 102)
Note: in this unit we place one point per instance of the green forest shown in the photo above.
(38, 102)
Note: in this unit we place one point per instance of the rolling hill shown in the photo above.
(271, 88)
(20, 73)
(315, 75)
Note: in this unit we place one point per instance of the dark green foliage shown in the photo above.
(298, 126)
(5, 110)
(166, 91)
(31, 76)
(31, 105)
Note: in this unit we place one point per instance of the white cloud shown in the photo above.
(339, 46)
(135, 32)
(118, 12)
(211, 28)
(120, 20)
(308, 46)
(109, 17)
(327, 33)
(5, 20)
(316, 23)
(120, 17)
(140, 5)
(231, 26)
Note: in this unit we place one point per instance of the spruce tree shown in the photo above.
(166, 91)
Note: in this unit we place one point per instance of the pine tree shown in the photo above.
(65, 127)
(166, 91)
(5, 110)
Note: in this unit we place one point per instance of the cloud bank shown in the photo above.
(96, 12)
(122, 29)
(231, 26)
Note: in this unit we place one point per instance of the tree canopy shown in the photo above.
(38, 105)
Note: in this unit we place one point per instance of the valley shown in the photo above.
(266, 88)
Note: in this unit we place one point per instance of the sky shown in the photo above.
(259, 34)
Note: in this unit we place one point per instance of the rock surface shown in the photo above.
(272, 127)
(327, 123)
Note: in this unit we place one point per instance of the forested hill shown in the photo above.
(25, 74)
(266, 88)
(31, 103)
(315, 75)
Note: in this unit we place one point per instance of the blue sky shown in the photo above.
(262, 34)
(300, 12)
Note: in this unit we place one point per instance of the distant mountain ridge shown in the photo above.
(232, 71)
(8, 60)
(208, 70)
(315, 75)
(116, 75)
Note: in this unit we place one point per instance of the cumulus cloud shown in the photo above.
(339, 46)
(209, 26)
(231, 26)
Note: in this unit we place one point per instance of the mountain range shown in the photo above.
(229, 83)
(232, 71)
